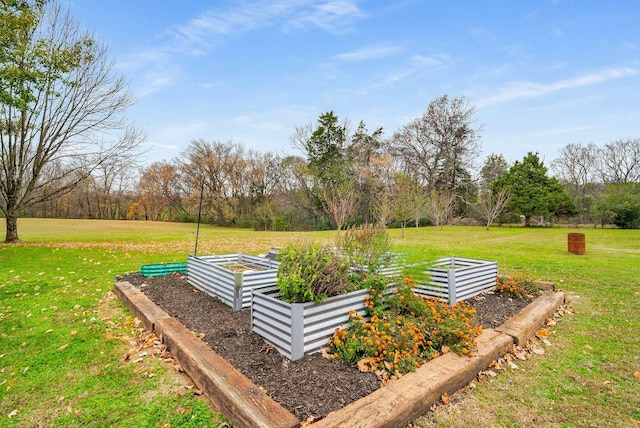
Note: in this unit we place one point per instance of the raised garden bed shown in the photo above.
(298, 329)
(231, 277)
(312, 386)
(456, 278)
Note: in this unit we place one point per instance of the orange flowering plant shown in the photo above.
(403, 330)
(517, 286)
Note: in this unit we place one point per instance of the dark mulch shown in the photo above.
(310, 387)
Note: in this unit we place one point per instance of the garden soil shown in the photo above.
(310, 387)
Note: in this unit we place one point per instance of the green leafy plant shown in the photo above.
(367, 248)
(403, 330)
(309, 272)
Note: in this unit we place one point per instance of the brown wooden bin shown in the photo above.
(576, 243)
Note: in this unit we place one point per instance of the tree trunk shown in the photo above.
(12, 228)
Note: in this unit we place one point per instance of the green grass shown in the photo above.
(63, 336)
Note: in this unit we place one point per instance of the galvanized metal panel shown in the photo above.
(467, 278)
(311, 324)
(234, 288)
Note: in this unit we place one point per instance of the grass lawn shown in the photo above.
(64, 337)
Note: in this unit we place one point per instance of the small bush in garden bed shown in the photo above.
(404, 331)
(367, 248)
(309, 272)
(517, 286)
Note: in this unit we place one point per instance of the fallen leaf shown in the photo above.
(366, 365)
(48, 331)
(63, 347)
(543, 332)
(445, 349)
(13, 413)
(538, 351)
(445, 399)
(637, 374)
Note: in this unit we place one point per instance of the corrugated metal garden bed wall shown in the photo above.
(457, 278)
(206, 273)
(296, 329)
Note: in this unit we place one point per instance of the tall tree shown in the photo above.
(327, 151)
(576, 168)
(494, 166)
(325, 147)
(533, 193)
(620, 161)
(159, 186)
(59, 102)
(364, 154)
(438, 146)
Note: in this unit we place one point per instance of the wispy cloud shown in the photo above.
(416, 65)
(521, 90)
(370, 52)
(334, 16)
(197, 35)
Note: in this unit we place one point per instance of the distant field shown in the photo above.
(63, 336)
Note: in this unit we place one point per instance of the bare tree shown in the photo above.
(438, 146)
(159, 186)
(620, 161)
(382, 178)
(405, 189)
(440, 205)
(490, 204)
(339, 200)
(576, 168)
(59, 102)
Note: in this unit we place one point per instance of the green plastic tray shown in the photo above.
(162, 269)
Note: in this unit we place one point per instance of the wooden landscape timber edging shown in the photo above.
(237, 397)
(394, 405)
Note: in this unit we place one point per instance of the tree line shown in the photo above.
(424, 174)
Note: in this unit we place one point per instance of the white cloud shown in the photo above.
(520, 90)
(370, 52)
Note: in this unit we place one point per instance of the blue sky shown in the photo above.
(542, 74)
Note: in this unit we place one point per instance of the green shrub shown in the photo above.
(366, 248)
(309, 272)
